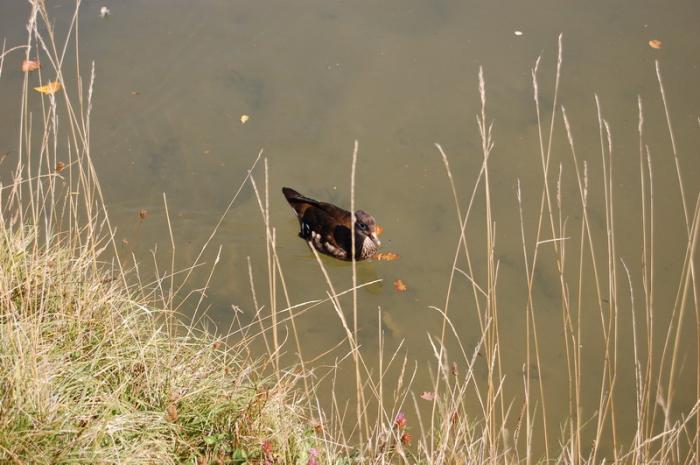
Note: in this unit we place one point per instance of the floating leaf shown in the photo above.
(406, 439)
(379, 230)
(244, 119)
(430, 396)
(143, 213)
(386, 256)
(135, 92)
(216, 345)
(400, 286)
(30, 65)
(104, 12)
(654, 43)
(50, 88)
(60, 166)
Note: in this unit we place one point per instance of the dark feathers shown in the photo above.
(327, 227)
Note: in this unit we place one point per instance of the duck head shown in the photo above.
(367, 241)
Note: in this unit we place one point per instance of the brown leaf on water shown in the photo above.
(216, 345)
(386, 257)
(30, 65)
(379, 230)
(143, 213)
(50, 88)
(135, 92)
(399, 286)
(655, 43)
(60, 166)
(429, 396)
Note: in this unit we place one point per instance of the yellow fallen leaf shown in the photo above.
(30, 65)
(50, 88)
(386, 256)
(399, 286)
(244, 119)
(429, 396)
(654, 43)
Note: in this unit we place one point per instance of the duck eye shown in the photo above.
(363, 226)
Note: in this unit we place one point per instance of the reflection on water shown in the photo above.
(173, 79)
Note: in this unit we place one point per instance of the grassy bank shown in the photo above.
(96, 369)
(91, 373)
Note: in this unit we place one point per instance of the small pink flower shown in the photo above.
(313, 453)
(400, 421)
(267, 447)
(267, 452)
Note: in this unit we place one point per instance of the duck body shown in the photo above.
(328, 227)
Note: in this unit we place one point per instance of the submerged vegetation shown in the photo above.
(95, 369)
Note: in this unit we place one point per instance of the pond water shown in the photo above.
(173, 79)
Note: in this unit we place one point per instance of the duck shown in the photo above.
(327, 227)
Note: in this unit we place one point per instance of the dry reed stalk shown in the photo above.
(681, 296)
(361, 415)
(545, 156)
(275, 269)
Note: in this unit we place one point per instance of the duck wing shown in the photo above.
(300, 203)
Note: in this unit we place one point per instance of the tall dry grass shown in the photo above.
(592, 275)
(96, 367)
(92, 371)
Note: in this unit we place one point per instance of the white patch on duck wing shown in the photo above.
(326, 247)
(334, 251)
(316, 240)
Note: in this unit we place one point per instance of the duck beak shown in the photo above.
(375, 239)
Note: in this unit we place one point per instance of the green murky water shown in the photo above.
(174, 77)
